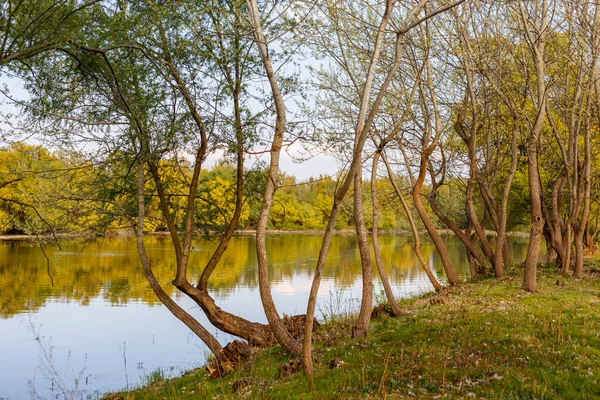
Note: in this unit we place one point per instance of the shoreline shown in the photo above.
(484, 345)
(242, 232)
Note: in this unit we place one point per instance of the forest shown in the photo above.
(471, 117)
(51, 194)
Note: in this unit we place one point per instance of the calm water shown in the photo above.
(101, 328)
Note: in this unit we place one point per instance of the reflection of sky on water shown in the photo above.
(105, 328)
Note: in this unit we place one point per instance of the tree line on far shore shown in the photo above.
(48, 193)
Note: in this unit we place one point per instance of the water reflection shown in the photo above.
(91, 279)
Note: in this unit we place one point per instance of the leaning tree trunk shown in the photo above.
(389, 294)
(255, 333)
(451, 275)
(413, 227)
(211, 342)
(465, 237)
(362, 130)
(428, 145)
(375, 202)
(239, 197)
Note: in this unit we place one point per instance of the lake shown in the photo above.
(100, 327)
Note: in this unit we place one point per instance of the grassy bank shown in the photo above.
(484, 339)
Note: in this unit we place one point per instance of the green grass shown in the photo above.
(485, 339)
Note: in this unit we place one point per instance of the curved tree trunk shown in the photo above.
(451, 275)
(204, 335)
(255, 333)
(279, 330)
(239, 198)
(470, 207)
(429, 142)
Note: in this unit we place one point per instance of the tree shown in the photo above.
(35, 191)
(568, 109)
(535, 29)
(32, 27)
(147, 78)
(367, 112)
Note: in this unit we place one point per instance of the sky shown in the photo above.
(318, 165)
